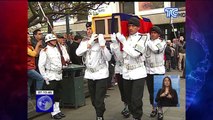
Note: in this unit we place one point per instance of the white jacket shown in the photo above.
(155, 56)
(95, 60)
(118, 55)
(49, 63)
(133, 67)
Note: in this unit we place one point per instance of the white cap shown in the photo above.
(50, 37)
(181, 38)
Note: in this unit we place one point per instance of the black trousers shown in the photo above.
(97, 90)
(150, 86)
(133, 90)
(56, 86)
(121, 86)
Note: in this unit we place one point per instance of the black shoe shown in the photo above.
(153, 113)
(160, 116)
(99, 118)
(123, 111)
(126, 114)
(61, 114)
(56, 117)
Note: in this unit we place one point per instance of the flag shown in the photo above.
(145, 24)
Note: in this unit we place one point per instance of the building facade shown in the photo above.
(171, 27)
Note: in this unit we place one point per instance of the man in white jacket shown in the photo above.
(95, 55)
(133, 70)
(154, 63)
(50, 67)
(118, 56)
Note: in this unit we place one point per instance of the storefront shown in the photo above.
(169, 32)
(155, 12)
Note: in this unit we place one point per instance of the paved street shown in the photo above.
(114, 107)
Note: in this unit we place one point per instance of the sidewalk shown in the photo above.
(114, 107)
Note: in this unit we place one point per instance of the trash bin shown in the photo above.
(73, 86)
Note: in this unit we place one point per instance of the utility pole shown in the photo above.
(67, 25)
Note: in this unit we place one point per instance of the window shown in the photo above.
(115, 25)
(101, 26)
(150, 5)
(128, 7)
(179, 4)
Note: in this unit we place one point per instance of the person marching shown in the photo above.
(96, 56)
(118, 55)
(133, 70)
(154, 62)
(50, 66)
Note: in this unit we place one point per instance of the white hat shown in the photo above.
(181, 38)
(50, 37)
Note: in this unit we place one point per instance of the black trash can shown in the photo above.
(73, 86)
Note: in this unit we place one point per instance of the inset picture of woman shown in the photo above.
(166, 92)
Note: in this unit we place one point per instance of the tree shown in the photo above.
(57, 10)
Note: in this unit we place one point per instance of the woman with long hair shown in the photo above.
(166, 96)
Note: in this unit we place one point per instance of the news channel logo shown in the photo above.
(44, 101)
(171, 12)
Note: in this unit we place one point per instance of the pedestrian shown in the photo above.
(111, 67)
(133, 70)
(172, 56)
(73, 47)
(62, 44)
(154, 62)
(118, 56)
(182, 54)
(168, 56)
(74, 58)
(96, 56)
(175, 46)
(50, 66)
(32, 53)
(37, 36)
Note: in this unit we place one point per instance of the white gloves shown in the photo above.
(120, 37)
(101, 40)
(113, 38)
(92, 39)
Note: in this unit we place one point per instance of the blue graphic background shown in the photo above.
(158, 79)
(199, 83)
(42, 110)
